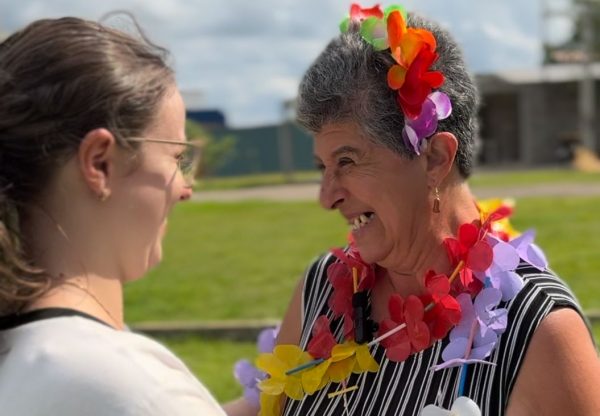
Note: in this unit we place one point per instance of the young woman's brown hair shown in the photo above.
(60, 79)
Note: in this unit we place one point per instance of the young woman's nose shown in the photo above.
(186, 193)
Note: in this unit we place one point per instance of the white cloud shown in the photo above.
(247, 57)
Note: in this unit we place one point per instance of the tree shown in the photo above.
(574, 49)
(215, 152)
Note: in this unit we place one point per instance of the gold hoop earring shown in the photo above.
(436, 201)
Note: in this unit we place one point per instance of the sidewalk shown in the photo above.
(310, 192)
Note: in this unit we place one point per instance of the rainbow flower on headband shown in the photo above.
(414, 53)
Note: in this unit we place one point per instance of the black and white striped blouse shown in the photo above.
(405, 388)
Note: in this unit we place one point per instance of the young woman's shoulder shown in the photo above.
(75, 365)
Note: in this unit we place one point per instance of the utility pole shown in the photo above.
(587, 84)
(584, 12)
(284, 142)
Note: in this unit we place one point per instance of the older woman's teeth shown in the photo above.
(360, 221)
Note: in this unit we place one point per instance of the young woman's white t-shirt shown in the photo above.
(76, 366)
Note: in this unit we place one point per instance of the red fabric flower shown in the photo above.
(322, 341)
(419, 82)
(340, 300)
(446, 313)
(468, 283)
(340, 277)
(352, 259)
(502, 212)
(358, 13)
(470, 248)
(414, 338)
(475, 252)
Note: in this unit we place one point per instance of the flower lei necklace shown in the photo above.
(465, 304)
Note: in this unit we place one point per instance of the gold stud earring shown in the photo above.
(436, 201)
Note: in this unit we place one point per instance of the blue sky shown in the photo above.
(247, 57)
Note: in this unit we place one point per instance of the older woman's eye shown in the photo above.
(345, 161)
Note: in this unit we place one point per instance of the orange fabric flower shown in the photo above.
(419, 82)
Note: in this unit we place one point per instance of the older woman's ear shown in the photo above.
(440, 154)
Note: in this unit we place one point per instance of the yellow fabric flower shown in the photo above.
(270, 405)
(275, 364)
(348, 358)
(316, 378)
(503, 226)
(364, 360)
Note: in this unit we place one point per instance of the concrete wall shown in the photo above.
(532, 124)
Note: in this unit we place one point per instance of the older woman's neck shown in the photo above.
(457, 207)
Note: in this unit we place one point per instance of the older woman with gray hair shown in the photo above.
(436, 305)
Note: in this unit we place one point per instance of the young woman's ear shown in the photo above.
(96, 161)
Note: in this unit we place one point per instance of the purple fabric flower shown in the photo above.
(489, 317)
(529, 251)
(443, 106)
(437, 106)
(266, 339)
(248, 375)
(476, 335)
(501, 273)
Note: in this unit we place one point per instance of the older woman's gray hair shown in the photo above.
(348, 82)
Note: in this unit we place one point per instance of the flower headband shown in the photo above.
(414, 53)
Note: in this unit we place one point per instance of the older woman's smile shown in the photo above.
(361, 221)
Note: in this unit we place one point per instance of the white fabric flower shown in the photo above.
(462, 406)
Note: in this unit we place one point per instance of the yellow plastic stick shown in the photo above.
(343, 391)
(456, 271)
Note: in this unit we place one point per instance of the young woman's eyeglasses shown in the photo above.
(187, 161)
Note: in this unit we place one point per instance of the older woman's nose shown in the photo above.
(331, 194)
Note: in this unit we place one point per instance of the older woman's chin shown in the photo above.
(370, 251)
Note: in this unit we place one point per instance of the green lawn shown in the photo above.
(212, 361)
(242, 260)
(216, 267)
(568, 229)
(233, 260)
